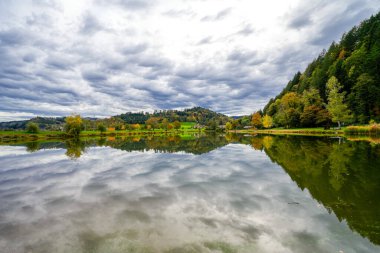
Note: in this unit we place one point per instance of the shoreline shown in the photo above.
(301, 132)
(6, 136)
(11, 136)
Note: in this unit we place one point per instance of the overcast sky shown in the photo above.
(106, 57)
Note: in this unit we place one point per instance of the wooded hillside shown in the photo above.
(353, 68)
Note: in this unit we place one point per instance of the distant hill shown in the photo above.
(354, 61)
(195, 114)
(43, 122)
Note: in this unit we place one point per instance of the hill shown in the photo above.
(355, 63)
(196, 114)
(43, 122)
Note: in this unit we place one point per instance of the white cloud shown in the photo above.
(109, 57)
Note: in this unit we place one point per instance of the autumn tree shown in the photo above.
(289, 110)
(228, 126)
(336, 106)
(164, 124)
(309, 116)
(152, 122)
(135, 126)
(267, 121)
(73, 125)
(354, 61)
(177, 124)
(256, 120)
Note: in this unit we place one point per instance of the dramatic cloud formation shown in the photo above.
(100, 58)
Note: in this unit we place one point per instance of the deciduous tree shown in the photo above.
(267, 121)
(336, 105)
(74, 125)
(32, 128)
(256, 120)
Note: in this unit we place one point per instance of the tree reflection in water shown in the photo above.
(342, 175)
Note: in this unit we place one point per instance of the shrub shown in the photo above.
(32, 128)
(101, 128)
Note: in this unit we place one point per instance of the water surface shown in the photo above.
(193, 194)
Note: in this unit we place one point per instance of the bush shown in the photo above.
(32, 128)
(101, 128)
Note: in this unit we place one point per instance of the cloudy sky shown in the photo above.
(106, 57)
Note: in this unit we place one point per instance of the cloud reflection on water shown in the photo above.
(233, 199)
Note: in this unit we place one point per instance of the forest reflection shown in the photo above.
(342, 175)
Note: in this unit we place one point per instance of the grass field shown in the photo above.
(187, 125)
(42, 132)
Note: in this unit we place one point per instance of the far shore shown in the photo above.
(6, 136)
(10, 136)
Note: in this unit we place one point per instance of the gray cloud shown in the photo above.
(131, 5)
(340, 22)
(96, 65)
(219, 16)
(300, 21)
(246, 30)
(90, 25)
(206, 40)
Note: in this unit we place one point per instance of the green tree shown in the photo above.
(337, 108)
(32, 128)
(289, 110)
(311, 97)
(211, 125)
(32, 146)
(364, 97)
(101, 128)
(73, 125)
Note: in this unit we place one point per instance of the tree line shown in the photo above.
(341, 85)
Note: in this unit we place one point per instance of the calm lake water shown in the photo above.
(192, 194)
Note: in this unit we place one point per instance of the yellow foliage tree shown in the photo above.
(135, 126)
(228, 126)
(74, 125)
(267, 121)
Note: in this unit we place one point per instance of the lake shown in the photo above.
(205, 193)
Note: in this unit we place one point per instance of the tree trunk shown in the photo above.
(338, 124)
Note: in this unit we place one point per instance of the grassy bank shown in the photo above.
(6, 136)
(295, 131)
(373, 129)
(366, 130)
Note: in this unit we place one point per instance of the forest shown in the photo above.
(342, 85)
